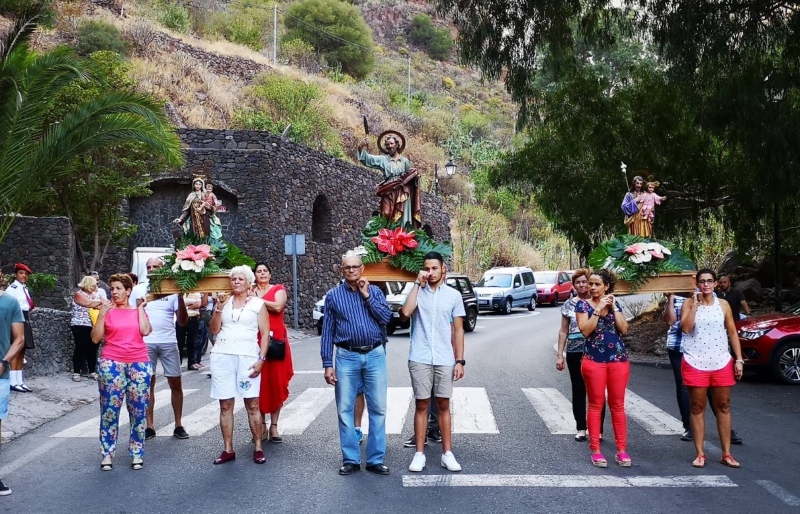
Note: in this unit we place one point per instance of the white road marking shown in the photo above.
(398, 400)
(506, 317)
(200, 421)
(91, 427)
(581, 481)
(32, 455)
(650, 417)
(779, 492)
(297, 415)
(472, 412)
(554, 409)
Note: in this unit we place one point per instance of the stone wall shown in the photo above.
(46, 246)
(270, 188)
(54, 344)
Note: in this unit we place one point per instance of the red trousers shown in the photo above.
(602, 377)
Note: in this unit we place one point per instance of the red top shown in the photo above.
(276, 375)
(124, 342)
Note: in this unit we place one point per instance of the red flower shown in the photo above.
(394, 241)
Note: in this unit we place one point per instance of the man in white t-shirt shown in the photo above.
(162, 343)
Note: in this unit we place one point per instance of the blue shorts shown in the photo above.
(5, 392)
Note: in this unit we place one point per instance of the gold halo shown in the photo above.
(391, 133)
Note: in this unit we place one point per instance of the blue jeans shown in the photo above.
(355, 371)
(681, 394)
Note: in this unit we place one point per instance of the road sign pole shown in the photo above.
(294, 279)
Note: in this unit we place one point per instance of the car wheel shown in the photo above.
(507, 306)
(786, 363)
(472, 320)
(532, 303)
(390, 329)
(555, 300)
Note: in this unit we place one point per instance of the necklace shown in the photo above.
(241, 310)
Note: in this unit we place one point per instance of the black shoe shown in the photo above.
(686, 435)
(378, 469)
(149, 433)
(348, 468)
(4, 489)
(18, 389)
(179, 432)
(435, 435)
(735, 439)
(412, 442)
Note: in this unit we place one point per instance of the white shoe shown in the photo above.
(449, 461)
(418, 463)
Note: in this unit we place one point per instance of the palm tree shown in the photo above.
(33, 149)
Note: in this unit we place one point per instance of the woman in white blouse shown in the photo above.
(237, 359)
(708, 325)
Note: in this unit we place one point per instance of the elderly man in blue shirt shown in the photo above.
(436, 357)
(356, 315)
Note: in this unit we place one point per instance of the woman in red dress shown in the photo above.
(276, 374)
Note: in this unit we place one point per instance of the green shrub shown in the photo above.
(448, 83)
(441, 46)
(14, 8)
(281, 101)
(175, 16)
(476, 124)
(438, 43)
(298, 53)
(94, 36)
(352, 46)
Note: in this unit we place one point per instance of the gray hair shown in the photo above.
(351, 253)
(244, 271)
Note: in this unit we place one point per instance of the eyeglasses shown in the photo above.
(706, 281)
(351, 268)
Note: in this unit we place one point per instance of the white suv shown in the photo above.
(502, 289)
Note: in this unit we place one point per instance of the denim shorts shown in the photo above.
(5, 392)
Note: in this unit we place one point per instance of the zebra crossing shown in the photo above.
(470, 406)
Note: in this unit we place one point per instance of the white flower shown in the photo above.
(190, 265)
(640, 258)
(176, 266)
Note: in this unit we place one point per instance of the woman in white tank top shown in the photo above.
(708, 327)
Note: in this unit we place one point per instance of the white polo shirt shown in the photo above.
(431, 337)
(161, 313)
(18, 291)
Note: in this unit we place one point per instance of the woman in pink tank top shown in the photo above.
(124, 370)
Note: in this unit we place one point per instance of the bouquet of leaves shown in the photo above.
(195, 258)
(636, 260)
(405, 248)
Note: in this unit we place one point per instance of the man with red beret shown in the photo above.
(19, 291)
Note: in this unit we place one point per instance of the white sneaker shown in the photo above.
(418, 463)
(449, 461)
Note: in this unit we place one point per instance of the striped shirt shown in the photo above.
(350, 320)
(674, 335)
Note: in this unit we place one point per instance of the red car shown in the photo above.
(772, 342)
(553, 286)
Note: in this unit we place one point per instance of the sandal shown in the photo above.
(729, 461)
(106, 466)
(581, 437)
(699, 461)
(274, 438)
(599, 461)
(137, 464)
(623, 459)
(76, 377)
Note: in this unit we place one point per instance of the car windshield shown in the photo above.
(546, 277)
(794, 309)
(495, 281)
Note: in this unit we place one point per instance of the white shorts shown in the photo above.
(230, 376)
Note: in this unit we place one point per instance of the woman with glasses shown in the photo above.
(276, 373)
(708, 327)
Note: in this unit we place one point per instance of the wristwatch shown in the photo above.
(5, 364)
(462, 362)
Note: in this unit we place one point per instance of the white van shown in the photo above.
(502, 289)
(140, 256)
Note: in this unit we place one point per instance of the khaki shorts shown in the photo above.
(426, 379)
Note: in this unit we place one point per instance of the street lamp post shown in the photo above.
(449, 168)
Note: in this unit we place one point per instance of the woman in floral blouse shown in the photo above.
(605, 365)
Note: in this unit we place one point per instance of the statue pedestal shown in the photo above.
(383, 272)
(213, 283)
(664, 283)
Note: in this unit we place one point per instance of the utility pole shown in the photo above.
(408, 93)
(275, 35)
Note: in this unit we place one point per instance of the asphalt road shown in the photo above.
(512, 461)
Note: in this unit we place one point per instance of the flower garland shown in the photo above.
(194, 259)
(636, 260)
(403, 247)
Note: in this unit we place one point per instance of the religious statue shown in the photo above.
(401, 199)
(632, 208)
(199, 211)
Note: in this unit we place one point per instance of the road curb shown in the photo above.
(650, 363)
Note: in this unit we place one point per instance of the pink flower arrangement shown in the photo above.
(394, 241)
(192, 258)
(644, 252)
